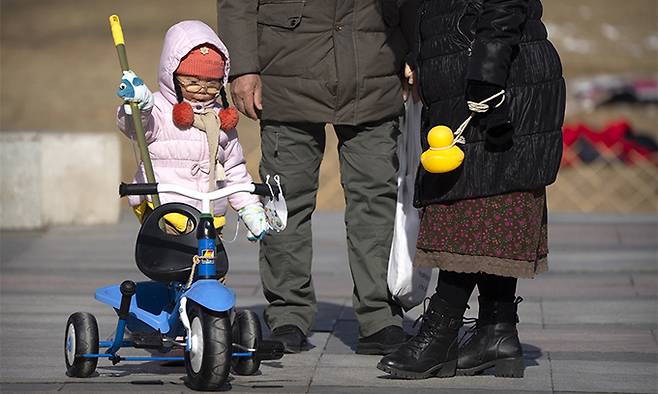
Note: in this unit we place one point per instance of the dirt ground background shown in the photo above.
(59, 69)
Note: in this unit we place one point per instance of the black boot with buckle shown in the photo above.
(433, 350)
(494, 341)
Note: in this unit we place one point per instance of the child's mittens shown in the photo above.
(133, 89)
(253, 216)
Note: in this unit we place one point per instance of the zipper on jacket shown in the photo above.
(459, 29)
(421, 12)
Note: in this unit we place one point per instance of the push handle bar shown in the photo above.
(262, 189)
(140, 189)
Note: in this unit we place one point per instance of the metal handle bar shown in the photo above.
(126, 189)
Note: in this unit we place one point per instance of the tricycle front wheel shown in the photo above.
(246, 333)
(81, 337)
(208, 361)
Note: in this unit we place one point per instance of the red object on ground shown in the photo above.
(617, 136)
(614, 133)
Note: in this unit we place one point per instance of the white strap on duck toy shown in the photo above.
(443, 154)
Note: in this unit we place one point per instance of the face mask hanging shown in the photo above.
(276, 211)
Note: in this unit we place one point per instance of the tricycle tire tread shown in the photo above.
(216, 359)
(246, 332)
(86, 342)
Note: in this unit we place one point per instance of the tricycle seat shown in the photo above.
(167, 257)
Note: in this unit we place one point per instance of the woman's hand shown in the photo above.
(408, 84)
(496, 120)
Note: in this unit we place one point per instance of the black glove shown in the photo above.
(495, 121)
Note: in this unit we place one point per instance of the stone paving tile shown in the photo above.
(588, 339)
(577, 286)
(638, 235)
(537, 378)
(529, 312)
(15, 244)
(418, 390)
(630, 357)
(145, 386)
(30, 387)
(325, 318)
(348, 360)
(618, 377)
(152, 386)
(344, 338)
(580, 392)
(283, 375)
(582, 234)
(638, 311)
(645, 284)
(48, 283)
(602, 260)
(337, 285)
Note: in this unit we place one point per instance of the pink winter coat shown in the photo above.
(181, 157)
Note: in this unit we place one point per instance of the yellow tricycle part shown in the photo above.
(177, 220)
(117, 33)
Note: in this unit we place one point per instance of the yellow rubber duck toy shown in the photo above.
(441, 157)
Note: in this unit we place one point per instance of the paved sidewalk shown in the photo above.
(588, 325)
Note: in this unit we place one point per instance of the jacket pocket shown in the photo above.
(285, 14)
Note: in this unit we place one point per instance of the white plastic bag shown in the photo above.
(407, 283)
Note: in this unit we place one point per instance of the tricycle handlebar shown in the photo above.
(140, 189)
(137, 189)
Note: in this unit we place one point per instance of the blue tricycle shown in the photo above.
(184, 306)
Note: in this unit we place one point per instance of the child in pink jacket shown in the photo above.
(191, 139)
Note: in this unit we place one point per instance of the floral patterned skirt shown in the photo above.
(503, 235)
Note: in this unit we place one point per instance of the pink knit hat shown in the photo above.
(204, 61)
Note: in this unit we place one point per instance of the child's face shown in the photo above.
(198, 89)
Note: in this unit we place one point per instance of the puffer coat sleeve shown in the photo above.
(497, 36)
(237, 26)
(149, 123)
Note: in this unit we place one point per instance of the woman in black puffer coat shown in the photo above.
(484, 223)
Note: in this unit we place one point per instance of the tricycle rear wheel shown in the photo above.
(246, 333)
(81, 337)
(208, 361)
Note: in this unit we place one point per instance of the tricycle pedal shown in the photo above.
(147, 341)
(269, 350)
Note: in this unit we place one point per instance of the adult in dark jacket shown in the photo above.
(483, 224)
(297, 65)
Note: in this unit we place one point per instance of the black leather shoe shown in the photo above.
(292, 338)
(494, 342)
(382, 342)
(433, 351)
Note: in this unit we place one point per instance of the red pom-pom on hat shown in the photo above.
(183, 115)
(228, 118)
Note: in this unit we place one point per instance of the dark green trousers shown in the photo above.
(368, 169)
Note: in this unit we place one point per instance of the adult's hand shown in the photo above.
(408, 84)
(496, 120)
(246, 91)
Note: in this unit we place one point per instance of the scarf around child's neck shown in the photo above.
(206, 120)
